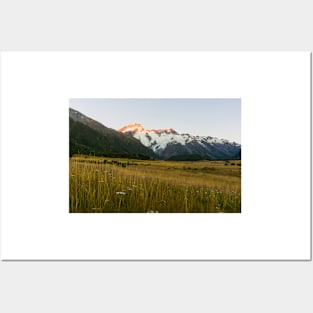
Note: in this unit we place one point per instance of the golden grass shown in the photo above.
(135, 186)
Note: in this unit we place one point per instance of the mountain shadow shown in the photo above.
(88, 136)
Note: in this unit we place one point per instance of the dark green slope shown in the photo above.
(90, 137)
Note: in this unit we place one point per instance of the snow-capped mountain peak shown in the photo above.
(168, 143)
(138, 128)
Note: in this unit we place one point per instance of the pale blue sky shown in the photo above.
(205, 117)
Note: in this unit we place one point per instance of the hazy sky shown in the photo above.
(205, 117)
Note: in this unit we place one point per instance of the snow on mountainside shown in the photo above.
(168, 143)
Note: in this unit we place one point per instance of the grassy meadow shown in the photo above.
(110, 185)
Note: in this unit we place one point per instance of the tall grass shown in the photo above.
(112, 185)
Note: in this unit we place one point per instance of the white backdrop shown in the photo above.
(275, 93)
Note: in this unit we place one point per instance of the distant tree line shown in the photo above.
(136, 156)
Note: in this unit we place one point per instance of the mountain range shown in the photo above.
(89, 136)
(168, 144)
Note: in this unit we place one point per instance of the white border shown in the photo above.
(275, 93)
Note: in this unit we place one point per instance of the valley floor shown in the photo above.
(108, 185)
